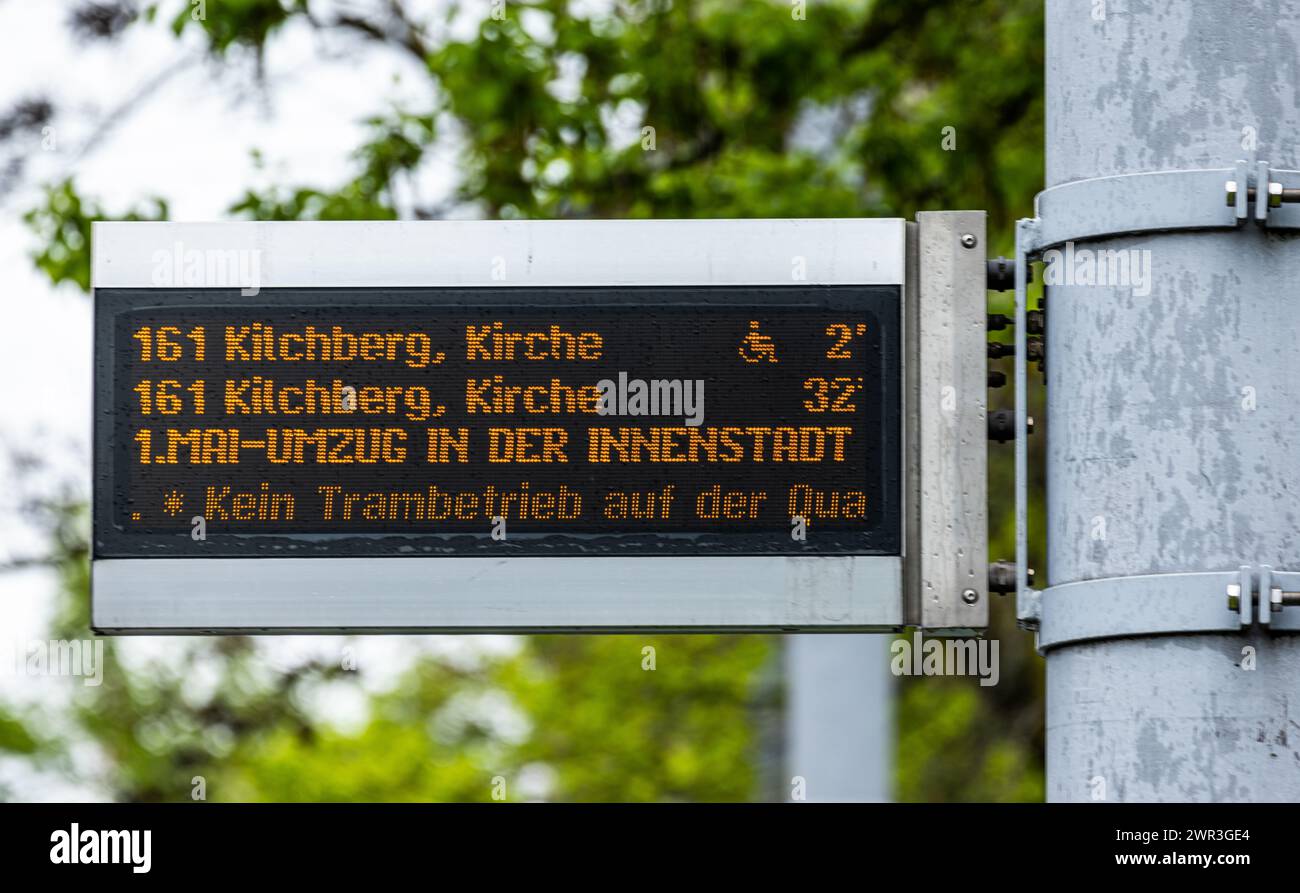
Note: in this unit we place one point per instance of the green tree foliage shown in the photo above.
(635, 718)
(649, 108)
(63, 222)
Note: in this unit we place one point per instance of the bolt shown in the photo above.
(1002, 577)
(970, 596)
(1002, 425)
(969, 241)
(1001, 273)
(1279, 599)
(1277, 194)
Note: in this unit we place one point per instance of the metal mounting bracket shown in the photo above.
(1165, 201)
(1027, 606)
(1156, 604)
(1128, 204)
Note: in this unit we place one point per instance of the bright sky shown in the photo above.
(188, 140)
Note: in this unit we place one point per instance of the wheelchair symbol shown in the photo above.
(757, 347)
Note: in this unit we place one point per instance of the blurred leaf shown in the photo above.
(63, 223)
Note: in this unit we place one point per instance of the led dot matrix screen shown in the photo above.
(479, 421)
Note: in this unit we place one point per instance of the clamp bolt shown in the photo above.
(1277, 599)
(1234, 596)
(1277, 194)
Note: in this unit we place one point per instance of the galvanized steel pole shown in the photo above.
(1173, 407)
(839, 719)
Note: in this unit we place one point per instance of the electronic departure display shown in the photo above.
(319, 422)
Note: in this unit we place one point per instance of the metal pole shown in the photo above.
(839, 718)
(1174, 417)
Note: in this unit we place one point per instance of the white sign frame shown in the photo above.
(551, 594)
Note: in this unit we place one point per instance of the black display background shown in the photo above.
(666, 333)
